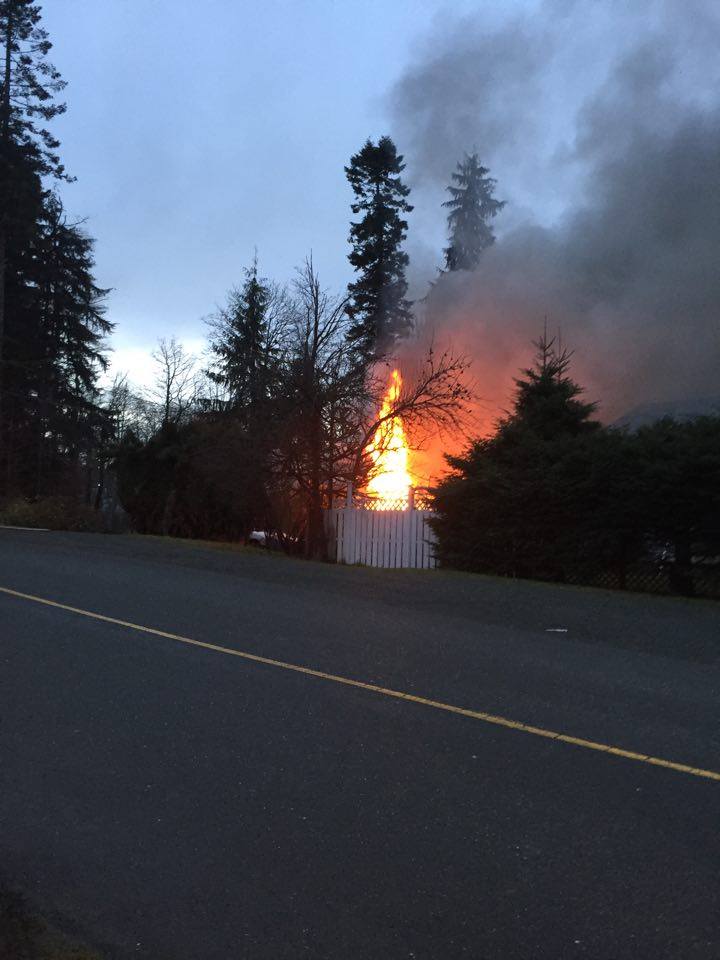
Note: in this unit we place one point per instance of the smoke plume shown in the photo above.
(602, 128)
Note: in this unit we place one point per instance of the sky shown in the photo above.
(601, 122)
(199, 133)
(197, 137)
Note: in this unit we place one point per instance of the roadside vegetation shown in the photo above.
(554, 495)
(267, 429)
(26, 936)
(51, 513)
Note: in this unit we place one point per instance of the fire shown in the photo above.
(391, 478)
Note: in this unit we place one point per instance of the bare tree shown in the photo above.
(175, 387)
(119, 400)
(322, 396)
(435, 397)
(331, 398)
(293, 414)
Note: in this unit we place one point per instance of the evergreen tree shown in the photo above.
(56, 328)
(27, 150)
(681, 491)
(472, 207)
(550, 494)
(377, 299)
(547, 400)
(244, 340)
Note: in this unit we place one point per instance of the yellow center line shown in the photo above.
(384, 691)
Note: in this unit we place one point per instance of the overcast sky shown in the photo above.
(199, 131)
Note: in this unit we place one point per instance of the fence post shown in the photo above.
(411, 498)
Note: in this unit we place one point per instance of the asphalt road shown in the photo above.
(181, 803)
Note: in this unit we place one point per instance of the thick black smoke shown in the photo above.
(602, 127)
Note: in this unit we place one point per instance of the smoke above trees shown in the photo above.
(602, 128)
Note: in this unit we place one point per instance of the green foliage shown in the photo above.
(29, 85)
(519, 503)
(681, 480)
(472, 206)
(378, 306)
(28, 151)
(547, 400)
(244, 342)
(52, 322)
(54, 338)
(206, 479)
(681, 495)
(26, 936)
(51, 513)
(280, 448)
(553, 495)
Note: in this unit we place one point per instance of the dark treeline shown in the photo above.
(273, 428)
(285, 428)
(554, 495)
(299, 376)
(52, 323)
(278, 424)
(275, 439)
(269, 428)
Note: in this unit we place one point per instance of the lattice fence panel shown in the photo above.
(704, 580)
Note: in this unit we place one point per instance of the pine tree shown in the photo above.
(55, 333)
(27, 150)
(377, 299)
(244, 342)
(547, 399)
(472, 207)
(524, 502)
(680, 483)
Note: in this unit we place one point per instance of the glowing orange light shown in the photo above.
(391, 479)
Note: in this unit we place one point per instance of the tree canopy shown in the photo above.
(553, 494)
(472, 207)
(377, 304)
(52, 314)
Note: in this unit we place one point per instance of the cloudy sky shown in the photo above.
(198, 132)
(198, 136)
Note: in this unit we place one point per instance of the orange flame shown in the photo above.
(389, 451)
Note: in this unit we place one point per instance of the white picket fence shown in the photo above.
(381, 538)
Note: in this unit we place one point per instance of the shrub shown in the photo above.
(26, 936)
(52, 513)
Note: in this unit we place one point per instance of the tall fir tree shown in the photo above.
(548, 401)
(241, 341)
(56, 328)
(28, 151)
(472, 206)
(520, 501)
(378, 306)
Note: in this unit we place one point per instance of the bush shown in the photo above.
(52, 513)
(203, 480)
(553, 495)
(26, 936)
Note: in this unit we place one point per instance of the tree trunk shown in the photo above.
(3, 257)
(315, 546)
(3, 248)
(100, 488)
